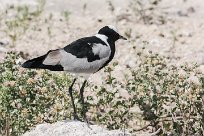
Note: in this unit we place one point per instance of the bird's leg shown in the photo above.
(72, 99)
(82, 100)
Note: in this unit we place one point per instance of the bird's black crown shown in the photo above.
(110, 33)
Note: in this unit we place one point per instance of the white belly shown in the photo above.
(73, 64)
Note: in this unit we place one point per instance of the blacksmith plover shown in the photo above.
(83, 56)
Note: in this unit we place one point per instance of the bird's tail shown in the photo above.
(38, 64)
(34, 63)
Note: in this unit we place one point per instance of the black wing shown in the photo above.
(82, 48)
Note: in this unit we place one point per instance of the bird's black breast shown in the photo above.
(82, 48)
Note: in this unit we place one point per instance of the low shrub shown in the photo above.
(154, 97)
(29, 97)
(170, 98)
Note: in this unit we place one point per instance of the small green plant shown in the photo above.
(128, 33)
(66, 15)
(29, 97)
(20, 22)
(145, 10)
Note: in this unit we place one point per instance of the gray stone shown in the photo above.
(73, 128)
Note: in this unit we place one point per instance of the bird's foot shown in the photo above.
(88, 122)
(76, 117)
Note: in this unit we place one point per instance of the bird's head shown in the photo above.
(111, 32)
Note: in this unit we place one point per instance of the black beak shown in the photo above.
(121, 37)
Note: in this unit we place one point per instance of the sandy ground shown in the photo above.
(180, 36)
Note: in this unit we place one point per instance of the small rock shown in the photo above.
(182, 14)
(194, 79)
(73, 128)
(190, 10)
(201, 69)
(4, 42)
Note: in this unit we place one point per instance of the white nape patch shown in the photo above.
(102, 37)
(73, 64)
(101, 50)
(53, 58)
(113, 28)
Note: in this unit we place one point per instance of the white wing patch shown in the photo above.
(101, 50)
(53, 58)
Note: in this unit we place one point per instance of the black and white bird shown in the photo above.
(83, 56)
